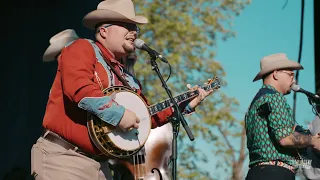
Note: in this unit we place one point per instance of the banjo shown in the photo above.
(115, 143)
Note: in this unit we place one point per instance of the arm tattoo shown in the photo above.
(301, 140)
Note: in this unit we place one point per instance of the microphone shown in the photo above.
(297, 88)
(140, 44)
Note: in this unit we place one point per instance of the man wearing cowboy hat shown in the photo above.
(65, 150)
(53, 52)
(57, 43)
(272, 140)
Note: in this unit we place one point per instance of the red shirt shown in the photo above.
(74, 81)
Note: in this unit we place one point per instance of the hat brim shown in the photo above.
(103, 15)
(54, 49)
(283, 64)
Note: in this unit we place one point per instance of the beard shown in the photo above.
(124, 50)
(128, 47)
(288, 92)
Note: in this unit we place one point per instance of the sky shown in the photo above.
(265, 28)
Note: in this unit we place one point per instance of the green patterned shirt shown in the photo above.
(264, 134)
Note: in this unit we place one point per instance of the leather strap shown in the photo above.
(278, 163)
(55, 138)
(124, 82)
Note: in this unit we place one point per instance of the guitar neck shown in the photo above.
(154, 109)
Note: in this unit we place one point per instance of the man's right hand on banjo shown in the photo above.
(129, 120)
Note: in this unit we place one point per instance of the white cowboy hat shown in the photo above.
(274, 62)
(113, 10)
(57, 43)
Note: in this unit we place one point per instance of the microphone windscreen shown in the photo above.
(295, 87)
(138, 43)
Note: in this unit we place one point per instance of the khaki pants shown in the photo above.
(50, 161)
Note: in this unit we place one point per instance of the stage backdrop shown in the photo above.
(26, 27)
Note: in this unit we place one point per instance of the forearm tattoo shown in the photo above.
(301, 140)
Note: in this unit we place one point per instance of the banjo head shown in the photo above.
(135, 138)
(114, 142)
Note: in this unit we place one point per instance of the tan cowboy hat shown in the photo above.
(57, 43)
(274, 62)
(113, 10)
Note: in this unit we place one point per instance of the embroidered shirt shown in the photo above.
(263, 135)
(75, 85)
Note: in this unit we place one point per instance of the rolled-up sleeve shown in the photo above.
(280, 118)
(161, 117)
(77, 66)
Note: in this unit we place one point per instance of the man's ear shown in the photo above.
(103, 32)
(275, 75)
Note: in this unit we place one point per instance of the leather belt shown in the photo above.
(279, 163)
(55, 138)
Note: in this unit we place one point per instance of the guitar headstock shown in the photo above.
(213, 83)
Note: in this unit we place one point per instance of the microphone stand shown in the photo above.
(175, 120)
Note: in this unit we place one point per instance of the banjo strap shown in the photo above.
(124, 82)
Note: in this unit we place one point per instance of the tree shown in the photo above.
(235, 157)
(185, 32)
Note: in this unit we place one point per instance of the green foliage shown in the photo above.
(185, 32)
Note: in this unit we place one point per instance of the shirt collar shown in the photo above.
(110, 56)
(270, 87)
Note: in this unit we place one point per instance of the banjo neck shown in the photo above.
(155, 108)
(137, 165)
